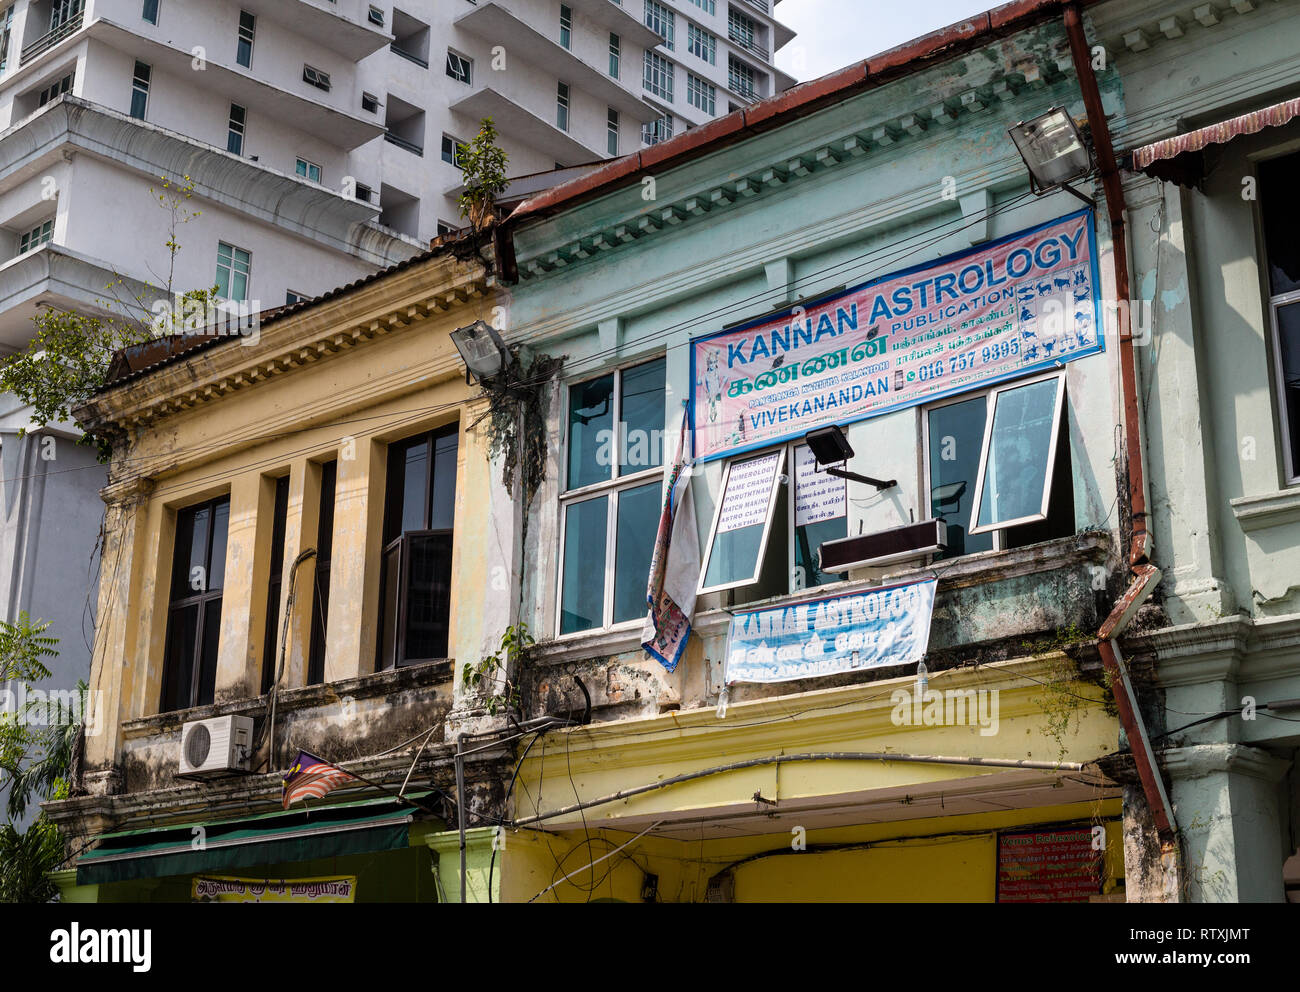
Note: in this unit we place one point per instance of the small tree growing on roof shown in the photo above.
(69, 355)
(484, 166)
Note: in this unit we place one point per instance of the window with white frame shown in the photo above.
(700, 94)
(658, 76)
(776, 508)
(308, 170)
(150, 11)
(566, 26)
(611, 132)
(660, 129)
(740, 77)
(701, 44)
(244, 39)
(562, 106)
(452, 150)
(235, 129)
(375, 16)
(660, 20)
(37, 236)
(140, 89)
(707, 6)
(1280, 210)
(612, 496)
(740, 28)
(615, 54)
(459, 67)
(998, 466)
(234, 268)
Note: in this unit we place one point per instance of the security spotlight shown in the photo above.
(481, 349)
(1054, 151)
(830, 447)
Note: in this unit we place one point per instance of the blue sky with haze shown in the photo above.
(833, 33)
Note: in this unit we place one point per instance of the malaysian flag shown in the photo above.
(312, 778)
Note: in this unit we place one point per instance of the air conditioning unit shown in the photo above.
(217, 746)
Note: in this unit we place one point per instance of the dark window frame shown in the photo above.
(275, 582)
(399, 545)
(169, 700)
(320, 606)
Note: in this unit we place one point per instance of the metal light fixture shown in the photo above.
(830, 447)
(481, 349)
(1055, 152)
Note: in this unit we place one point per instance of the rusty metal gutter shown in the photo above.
(1145, 575)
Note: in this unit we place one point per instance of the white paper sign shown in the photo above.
(749, 490)
(818, 496)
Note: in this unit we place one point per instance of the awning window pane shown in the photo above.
(956, 437)
(741, 522)
(591, 432)
(583, 596)
(638, 523)
(1020, 446)
(642, 417)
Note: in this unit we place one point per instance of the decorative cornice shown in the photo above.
(437, 286)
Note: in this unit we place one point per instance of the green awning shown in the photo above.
(362, 827)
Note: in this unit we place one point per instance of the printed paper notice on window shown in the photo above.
(749, 490)
(818, 496)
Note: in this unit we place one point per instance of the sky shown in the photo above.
(832, 33)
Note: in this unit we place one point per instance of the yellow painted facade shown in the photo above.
(338, 379)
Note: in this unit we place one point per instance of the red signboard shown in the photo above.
(1049, 866)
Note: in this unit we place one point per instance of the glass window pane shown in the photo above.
(583, 598)
(956, 435)
(1015, 476)
(190, 550)
(442, 511)
(737, 551)
(638, 524)
(178, 670)
(642, 416)
(413, 486)
(1288, 330)
(428, 597)
(208, 660)
(591, 431)
(392, 586)
(821, 514)
(217, 557)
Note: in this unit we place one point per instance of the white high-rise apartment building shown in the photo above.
(321, 138)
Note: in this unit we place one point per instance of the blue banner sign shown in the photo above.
(874, 628)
